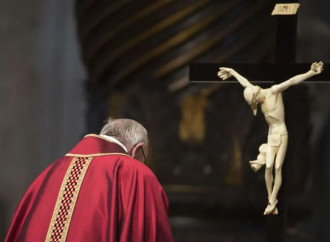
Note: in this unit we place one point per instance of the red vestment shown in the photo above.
(95, 193)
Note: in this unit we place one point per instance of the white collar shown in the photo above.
(113, 139)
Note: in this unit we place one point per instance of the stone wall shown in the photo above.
(41, 93)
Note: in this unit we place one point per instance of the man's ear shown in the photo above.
(135, 150)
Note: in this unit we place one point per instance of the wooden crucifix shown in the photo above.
(283, 69)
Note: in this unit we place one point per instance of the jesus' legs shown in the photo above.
(270, 156)
(278, 167)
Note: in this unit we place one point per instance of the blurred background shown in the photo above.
(67, 65)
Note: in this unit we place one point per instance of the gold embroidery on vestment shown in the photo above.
(66, 199)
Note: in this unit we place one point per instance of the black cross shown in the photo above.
(283, 69)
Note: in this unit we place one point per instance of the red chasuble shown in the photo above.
(95, 193)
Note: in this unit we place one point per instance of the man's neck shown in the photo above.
(114, 140)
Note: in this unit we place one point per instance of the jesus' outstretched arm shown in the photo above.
(316, 68)
(225, 73)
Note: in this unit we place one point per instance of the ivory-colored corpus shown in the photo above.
(273, 152)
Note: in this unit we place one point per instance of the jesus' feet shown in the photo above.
(271, 208)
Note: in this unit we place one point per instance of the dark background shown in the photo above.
(67, 65)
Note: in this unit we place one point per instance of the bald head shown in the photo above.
(127, 131)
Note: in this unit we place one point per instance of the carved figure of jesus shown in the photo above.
(271, 102)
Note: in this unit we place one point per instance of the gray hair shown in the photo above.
(127, 131)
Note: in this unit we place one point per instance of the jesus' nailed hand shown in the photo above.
(271, 102)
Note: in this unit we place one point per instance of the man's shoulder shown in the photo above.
(125, 163)
(135, 167)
